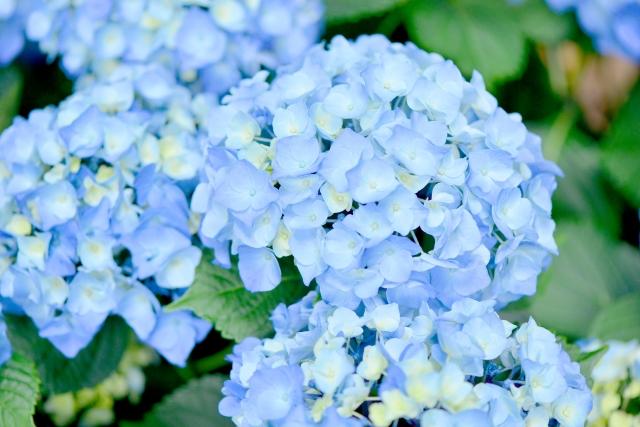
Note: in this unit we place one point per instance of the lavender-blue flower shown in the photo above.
(380, 364)
(376, 158)
(95, 218)
(211, 44)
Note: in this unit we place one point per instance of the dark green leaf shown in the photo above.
(619, 320)
(10, 93)
(591, 273)
(622, 149)
(475, 34)
(541, 24)
(194, 405)
(340, 11)
(584, 193)
(590, 355)
(19, 391)
(90, 367)
(219, 296)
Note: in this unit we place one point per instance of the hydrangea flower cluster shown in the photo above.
(94, 217)
(13, 19)
(377, 166)
(614, 25)
(95, 194)
(385, 362)
(616, 385)
(216, 42)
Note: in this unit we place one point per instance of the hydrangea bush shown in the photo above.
(377, 166)
(614, 25)
(387, 362)
(211, 148)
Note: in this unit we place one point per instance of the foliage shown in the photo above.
(10, 91)
(19, 392)
(219, 296)
(59, 374)
(584, 186)
(489, 36)
(340, 11)
(593, 278)
(195, 405)
(622, 149)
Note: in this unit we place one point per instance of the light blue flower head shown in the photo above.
(380, 364)
(13, 20)
(210, 43)
(614, 25)
(95, 218)
(379, 168)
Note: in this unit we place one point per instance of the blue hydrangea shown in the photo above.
(614, 25)
(13, 19)
(210, 43)
(5, 344)
(382, 363)
(95, 218)
(378, 167)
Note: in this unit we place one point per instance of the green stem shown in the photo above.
(559, 132)
(213, 362)
(390, 22)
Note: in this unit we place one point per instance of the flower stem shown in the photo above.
(213, 362)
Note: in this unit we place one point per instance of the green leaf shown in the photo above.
(19, 392)
(219, 296)
(591, 273)
(475, 34)
(340, 11)
(90, 367)
(584, 193)
(622, 148)
(10, 93)
(619, 320)
(539, 23)
(195, 405)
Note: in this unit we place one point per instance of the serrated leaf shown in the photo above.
(619, 320)
(475, 34)
(60, 375)
(340, 11)
(591, 273)
(219, 296)
(19, 392)
(584, 193)
(538, 22)
(194, 405)
(10, 93)
(622, 148)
